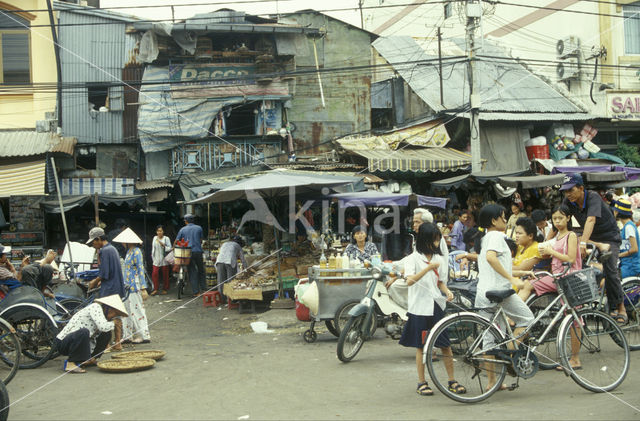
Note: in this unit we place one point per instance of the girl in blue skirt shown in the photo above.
(426, 273)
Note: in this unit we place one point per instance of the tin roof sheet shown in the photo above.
(505, 85)
(29, 143)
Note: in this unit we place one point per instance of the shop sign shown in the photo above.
(623, 106)
(211, 74)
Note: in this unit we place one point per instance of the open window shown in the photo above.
(97, 95)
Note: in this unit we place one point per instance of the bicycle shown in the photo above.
(10, 351)
(484, 354)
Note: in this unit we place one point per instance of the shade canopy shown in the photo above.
(532, 181)
(480, 177)
(278, 183)
(377, 198)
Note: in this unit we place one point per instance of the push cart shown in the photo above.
(338, 291)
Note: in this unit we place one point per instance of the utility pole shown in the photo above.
(440, 65)
(360, 3)
(473, 11)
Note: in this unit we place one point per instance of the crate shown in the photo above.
(288, 282)
(579, 287)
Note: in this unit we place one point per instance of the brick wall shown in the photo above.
(25, 213)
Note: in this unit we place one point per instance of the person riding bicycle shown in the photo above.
(598, 224)
(494, 267)
(193, 234)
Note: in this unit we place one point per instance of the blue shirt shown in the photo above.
(110, 272)
(457, 234)
(193, 234)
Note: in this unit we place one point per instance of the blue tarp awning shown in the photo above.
(376, 198)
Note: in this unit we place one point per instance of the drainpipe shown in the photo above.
(56, 49)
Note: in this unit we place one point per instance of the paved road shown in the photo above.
(217, 368)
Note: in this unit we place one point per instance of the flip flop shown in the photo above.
(575, 368)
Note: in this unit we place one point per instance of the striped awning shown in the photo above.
(416, 160)
(24, 179)
(81, 186)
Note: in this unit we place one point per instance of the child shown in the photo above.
(564, 249)
(494, 266)
(426, 272)
(629, 256)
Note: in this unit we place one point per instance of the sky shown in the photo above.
(254, 8)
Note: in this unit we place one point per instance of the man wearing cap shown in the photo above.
(192, 233)
(8, 274)
(598, 224)
(110, 277)
(87, 334)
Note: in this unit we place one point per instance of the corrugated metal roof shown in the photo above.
(153, 184)
(22, 179)
(501, 116)
(92, 11)
(29, 143)
(428, 134)
(505, 85)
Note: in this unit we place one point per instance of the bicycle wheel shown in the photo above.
(547, 351)
(473, 357)
(36, 333)
(342, 315)
(181, 280)
(631, 290)
(352, 337)
(601, 346)
(9, 352)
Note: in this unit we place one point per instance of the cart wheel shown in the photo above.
(332, 328)
(310, 336)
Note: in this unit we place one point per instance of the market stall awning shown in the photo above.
(416, 160)
(279, 183)
(377, 198)
(51, 205)
(480, 177)
(582, 169)
(531, 181)
(80, 186)
(605, 177)
(23, 179)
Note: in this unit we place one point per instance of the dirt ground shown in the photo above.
(216, 367)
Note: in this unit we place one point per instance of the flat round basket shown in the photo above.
(124, 366)
(153, 354)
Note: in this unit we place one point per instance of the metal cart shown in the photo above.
(337, 294)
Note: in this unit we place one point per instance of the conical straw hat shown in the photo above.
(310, 298)
(128, 237)
(115, 302)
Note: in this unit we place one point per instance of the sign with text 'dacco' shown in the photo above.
(212, 73)
(623, 105)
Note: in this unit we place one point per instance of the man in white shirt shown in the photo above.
(88, 333)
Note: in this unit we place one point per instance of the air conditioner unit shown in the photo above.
(569, 69)
(567, 47)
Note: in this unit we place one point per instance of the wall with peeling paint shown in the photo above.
(347, 94)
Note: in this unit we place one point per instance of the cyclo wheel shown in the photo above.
(4, 403)
(602, 348)
(181, 280)
(472, 369)
(9, 352)
(547, 351)
(631, 297)
(352, 337)
(36, 333)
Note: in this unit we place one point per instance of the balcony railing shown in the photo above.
(210, 155)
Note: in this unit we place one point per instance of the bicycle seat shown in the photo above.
(498, 295)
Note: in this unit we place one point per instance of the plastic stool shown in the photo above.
(211, 299)
(231, 304)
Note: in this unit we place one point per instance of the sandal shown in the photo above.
(621, 319)
(75, 370)
(424, 389)
(164, 292)
(154, 292)
(457, 388)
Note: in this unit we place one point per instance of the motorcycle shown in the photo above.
(363, 318)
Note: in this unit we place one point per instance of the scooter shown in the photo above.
(363, 321)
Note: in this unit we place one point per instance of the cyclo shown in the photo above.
(182, 258)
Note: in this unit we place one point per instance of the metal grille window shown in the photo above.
(15, 45)
(631, 14)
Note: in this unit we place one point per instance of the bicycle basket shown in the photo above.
(579, 287)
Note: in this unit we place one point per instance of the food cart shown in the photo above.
(339, 290)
